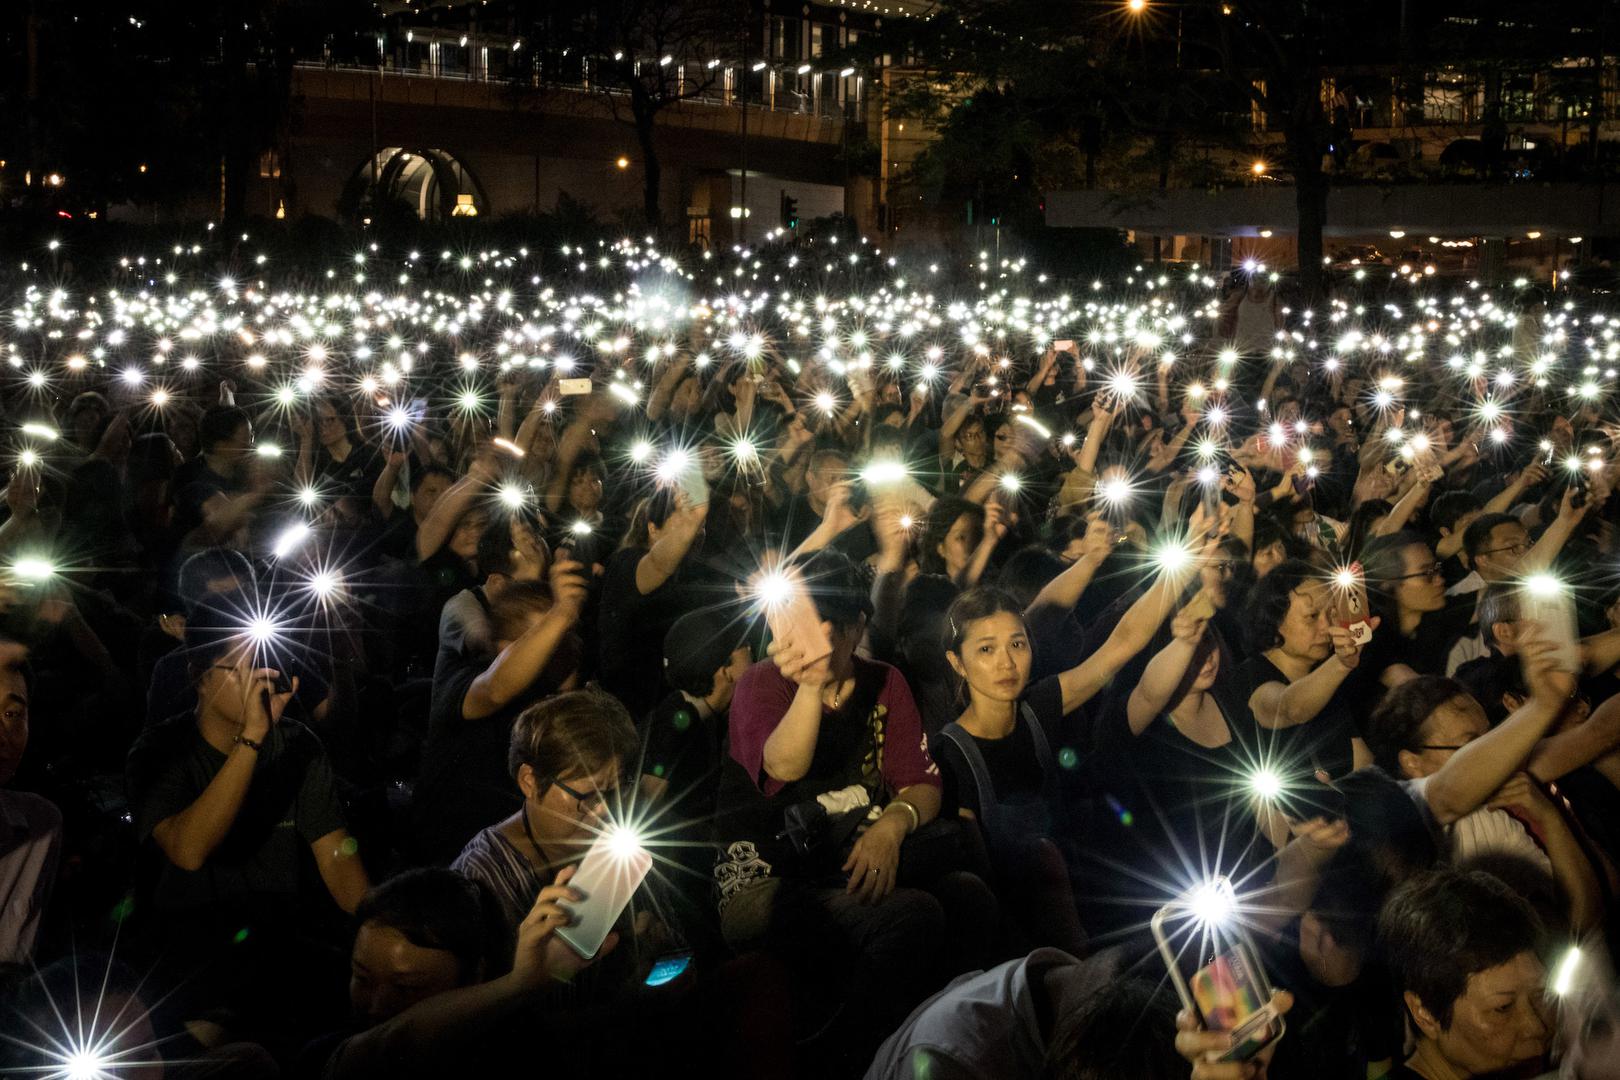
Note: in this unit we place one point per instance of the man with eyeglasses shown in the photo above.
(1499, 547)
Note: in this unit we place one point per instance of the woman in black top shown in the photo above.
(1300, 681)
(1174, 770)
(998, 759)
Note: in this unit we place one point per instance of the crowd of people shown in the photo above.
(930, 644)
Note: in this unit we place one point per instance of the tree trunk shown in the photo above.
(652, 173)
(1306, 140)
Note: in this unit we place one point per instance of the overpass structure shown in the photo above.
(482, 147)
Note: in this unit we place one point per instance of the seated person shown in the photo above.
(418, 988)
(1432, 734)
(1042, 1015)
(30, 826)
(466, 782)
(510, 552)
(841, 733)
(1462, 947)
(234, 800)
(705, 655)
(206, 575)
(566, 756)
(423, 1004)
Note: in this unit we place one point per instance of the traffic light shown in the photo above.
(790, 211)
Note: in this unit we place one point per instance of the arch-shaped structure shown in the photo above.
(432, 182)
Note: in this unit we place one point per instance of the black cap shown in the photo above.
(701, 643)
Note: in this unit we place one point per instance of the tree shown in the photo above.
(641, 56)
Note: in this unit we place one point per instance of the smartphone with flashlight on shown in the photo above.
(1547, 602)
(1349, 604)
(1064, 345)
(1216, 969)
(612, 871)
(794, 618)
(573, 387)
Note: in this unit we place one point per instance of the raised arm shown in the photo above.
(342, 872)
(675, 539)
(441, 520)
(1065, 590)
(1561, 754)
(1554, 536)
(1571, 868)
(1399, 514)
(190, 837)
(382, 492)
(791, 746)
(1476, 770)
(1164, 672)
(520, 663)
(1281, 705)
(1131, 636)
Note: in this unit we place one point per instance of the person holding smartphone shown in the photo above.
(998, 759)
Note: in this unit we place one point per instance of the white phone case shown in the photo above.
(606, 879)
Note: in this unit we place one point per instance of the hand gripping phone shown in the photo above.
(1217, 973)
(612, 871)
(794, 619)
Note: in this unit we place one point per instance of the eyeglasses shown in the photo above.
(1433, 570)
(1439, 746)
(588, 801)
(1518, 549)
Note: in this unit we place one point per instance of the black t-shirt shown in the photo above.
(354, 475)
(465, 785)
(1322, 742)
(194, 484)
(265, 858)
(1334, 1033)
(1428, 649)
(1174, 790)
(1015, 770)
(682, 747)
(632, 626)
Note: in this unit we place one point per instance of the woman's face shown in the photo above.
(1304, 629)
(328, 425)
(1209, 672)
(464, 541)
(970, 439)
(1006, 440)
(960, 540)
(1422, 586)
(532, 556)
(427, 493)
(1269, 558)
(1502, 1019)
(994, 657)
(571, 810)
(585, 491)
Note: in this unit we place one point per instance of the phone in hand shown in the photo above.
(795, 620)
(694, 484)
(1218, 976)
(612, 871)
(1548, 603)
(1064, 345)
(1349, 604)
(573, 387)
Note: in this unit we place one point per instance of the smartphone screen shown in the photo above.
(668, 968)
(609, 876)
(571, 387)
